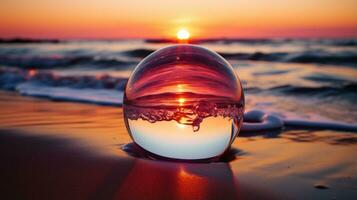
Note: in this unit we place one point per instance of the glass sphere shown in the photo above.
(184, 102)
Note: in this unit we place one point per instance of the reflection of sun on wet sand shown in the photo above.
(54, 150)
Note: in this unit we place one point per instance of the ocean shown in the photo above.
(295, 78)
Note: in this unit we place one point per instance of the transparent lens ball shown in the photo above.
(184, 102)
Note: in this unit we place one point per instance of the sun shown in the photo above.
(181, 101)
(183, 34)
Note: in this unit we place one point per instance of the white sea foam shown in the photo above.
(258, 120)
(95, 96)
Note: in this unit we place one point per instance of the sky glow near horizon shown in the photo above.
(162, 19)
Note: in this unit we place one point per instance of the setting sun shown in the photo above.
(183, 34)
(181, 101)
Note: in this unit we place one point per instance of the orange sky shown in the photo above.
(162, 18)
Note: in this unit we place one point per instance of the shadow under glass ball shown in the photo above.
(184, 102)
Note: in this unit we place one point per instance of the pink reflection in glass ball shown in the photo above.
(184, 102)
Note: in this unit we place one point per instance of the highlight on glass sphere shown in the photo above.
(184, 102)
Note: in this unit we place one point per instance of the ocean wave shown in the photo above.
(325, 78)
(342, 42)
(256, 120)
(270, 72)
(28, 41)
(58, 61)
(318, 57)
(255, 56)
(29, 59)
(138, 53)
(10, 78)
(350, 87)
(323, 57)
(94, 96)
(339, 58)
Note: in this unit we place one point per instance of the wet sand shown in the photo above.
(62, 150)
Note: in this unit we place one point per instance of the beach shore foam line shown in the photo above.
(254, 120)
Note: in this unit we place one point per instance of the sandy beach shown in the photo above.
(63, 150)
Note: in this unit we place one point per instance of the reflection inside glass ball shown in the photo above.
(184, 102)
